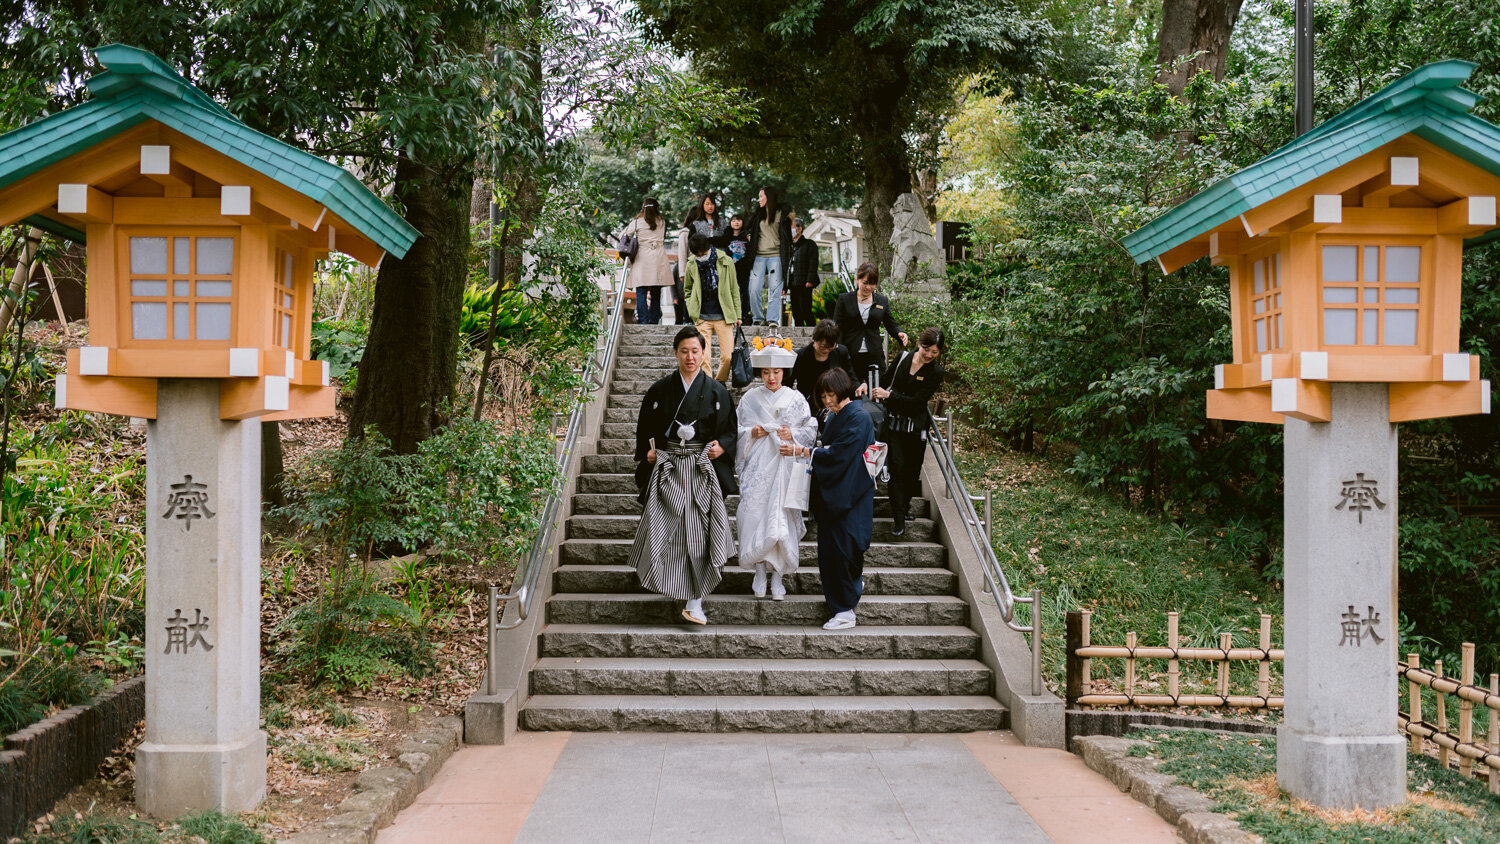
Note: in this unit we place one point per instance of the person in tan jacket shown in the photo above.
(651, 268)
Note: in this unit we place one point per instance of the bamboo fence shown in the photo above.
(1080, 689)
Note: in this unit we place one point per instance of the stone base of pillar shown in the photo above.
(174, 779)
(1344, 772)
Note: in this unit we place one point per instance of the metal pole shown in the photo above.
(1036, 642)
(948, 442)
(1303, 49)
(489, 644)
(989, 526)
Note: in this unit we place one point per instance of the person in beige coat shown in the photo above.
(651, 269)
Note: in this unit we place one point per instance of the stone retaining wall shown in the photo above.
(51, 757)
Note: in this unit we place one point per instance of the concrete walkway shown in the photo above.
(676, 787)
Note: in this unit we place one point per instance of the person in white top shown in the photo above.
(770, 415)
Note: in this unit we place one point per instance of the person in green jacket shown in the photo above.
(713, 298)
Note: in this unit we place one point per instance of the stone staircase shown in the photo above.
(613, 657)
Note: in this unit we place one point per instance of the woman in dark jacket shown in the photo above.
(906, 388)
(802, 278)
(843, 497)
(770, 233)
(860, 315)
(814, 359)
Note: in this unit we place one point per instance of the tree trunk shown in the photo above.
(272, 466)
(885, 179)
(1197, 28)
(409, 369)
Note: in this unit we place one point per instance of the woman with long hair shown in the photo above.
(906, 388)
(771, 244)
(650, 269)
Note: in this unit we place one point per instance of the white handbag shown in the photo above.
(798, 492)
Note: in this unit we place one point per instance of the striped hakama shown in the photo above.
(684, 536)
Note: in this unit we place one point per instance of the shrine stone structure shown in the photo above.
(201, 238)
(1345, 258)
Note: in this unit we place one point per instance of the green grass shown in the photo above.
(1086, 549)
(197, 828)
(1238, 772)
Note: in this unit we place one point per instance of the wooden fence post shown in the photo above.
(1263, 673)
(1174, 673)
(1466, 708)
(1225, 641)
(1074, 640)
(1130, 667)
(1444, 755)
(1495, 734)
(1414, 694)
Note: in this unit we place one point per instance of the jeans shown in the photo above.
(766, 275)
(725, 332)
(648, 305)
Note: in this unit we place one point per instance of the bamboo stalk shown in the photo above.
(1263, 675)
(1225, 640)
(1156, 652)
(1234, 701)
(1495, 734)
(1466, 707)
(1414, 694)
(1088, 683)
(1444, 756)
(1448, 743)
(1130, 666)
(1173, 672)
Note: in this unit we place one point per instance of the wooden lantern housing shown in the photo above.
(1345, 255)
(201, 236)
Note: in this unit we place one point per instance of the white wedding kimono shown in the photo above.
(769, 532)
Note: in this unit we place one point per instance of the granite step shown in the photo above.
(624, 527)
(732, 609)
(735, 641)
(622, 499)
(803, 581)
(741, 713)
(910, 555)
(769, 677)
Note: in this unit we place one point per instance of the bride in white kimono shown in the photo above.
(770, 414)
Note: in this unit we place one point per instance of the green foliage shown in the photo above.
(211, 827)
(342, 344)
(470, 489)
(677, 177)
(825, 297)
(1226, 767)
(515, 313)
(1086, 549)
(353, 634)
(74, 566)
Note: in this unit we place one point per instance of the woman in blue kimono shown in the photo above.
(843, 496)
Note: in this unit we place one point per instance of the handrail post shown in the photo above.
(489, 639)
(1036, 642)
(1074, 640)
(989, 525)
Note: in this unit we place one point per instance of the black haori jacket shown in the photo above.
(707, 406)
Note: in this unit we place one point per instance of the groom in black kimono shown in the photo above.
(684, 450)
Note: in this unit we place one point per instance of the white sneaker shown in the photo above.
(694, 612)
(778, 589)
(842, 621)
(758, 583)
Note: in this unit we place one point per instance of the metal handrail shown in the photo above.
(530, 570)
(994, 574)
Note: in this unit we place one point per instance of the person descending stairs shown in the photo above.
(614, 657)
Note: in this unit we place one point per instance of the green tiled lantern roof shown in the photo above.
(1427, 102)
(137, 86)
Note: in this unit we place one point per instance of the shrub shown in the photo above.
(353, 634)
